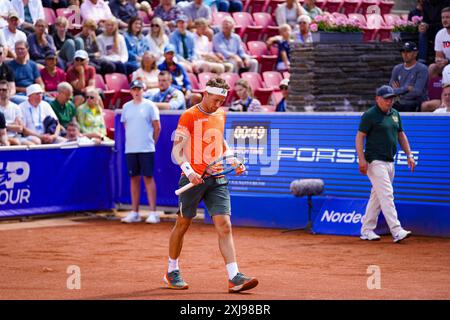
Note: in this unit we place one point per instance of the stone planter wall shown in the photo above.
(339, 77)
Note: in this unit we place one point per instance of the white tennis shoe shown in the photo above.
(153, 217)
(402, 234)
(132, 217)
(371, 236)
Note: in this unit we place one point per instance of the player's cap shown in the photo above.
(34, 88)
(169, 48)
(409, 46)
(81, 54)
(385, 92)
(136, 84)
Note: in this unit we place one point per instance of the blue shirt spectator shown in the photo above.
(123, 10)
(228, 46)
(197, 9)
(136, 44)
(25, 74)
(180, 79)
(184, 44)
(172, 96)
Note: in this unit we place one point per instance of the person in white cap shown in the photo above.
(80, 75)
(12, 34)
(39, 117)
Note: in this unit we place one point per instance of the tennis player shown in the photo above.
(199, 140)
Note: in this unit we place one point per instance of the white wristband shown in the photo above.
(410, 155)
(187, 169)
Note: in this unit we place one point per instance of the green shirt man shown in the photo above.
(63, 106)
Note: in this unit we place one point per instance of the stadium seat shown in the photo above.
(266, 59)
(218, 16)
(108, 116)
(231, 78)
(365, 4)
(368, 33)
(271, 6)
(74, 18)
(386, 6)
(108, 95)
(383, 33)
(119, 83)
(435, 88)
(266, 21)
(204, 77)
(321, 3)
(332, 6)
(194, 83)
(391, 19)
(50, 16)
(350, 6)
(254, 6)
(272, 79)
(262, 93)
(249, 31)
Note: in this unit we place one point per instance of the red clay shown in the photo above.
(120, 261)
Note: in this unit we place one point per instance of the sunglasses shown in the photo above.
(79, 59)
(283, 87)
(3, 90)
(90, 97)
(154, 25)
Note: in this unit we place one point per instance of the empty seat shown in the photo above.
(332, 5)
(350, 6)
(248, 30)
(119, 83)
(386, 6)
(266, 21)
(204, 77)
(262, 93)
(272, 79)
(266, 59)
(109, 117)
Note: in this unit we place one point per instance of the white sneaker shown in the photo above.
(402, 234)
(132, 217)
(371, 236)
(152, 218)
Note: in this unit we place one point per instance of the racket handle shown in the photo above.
(184, 188)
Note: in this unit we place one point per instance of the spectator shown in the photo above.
(136, 43)
(444, 107)
(39, 119)
(167, 97)
(229, 45)
(283, 42)
(229, 5)
(284, 87)
(90, 116)
(3, 136)
(81, 76)
(90, 45)
(143, 6)
(29, 11)
(168, 12)
(123, 10)
(41, 43)
(113, 47)
(289, 12)
(96, 10)
(205, 59)
(148, 72)
(142, 127)
(409, 80)
(6, 73)
(311, 9)
(303, 34)
(183, 42)
(55, 4)
(13, 116)
(430, 25)
(246, 101)
(180, 79)
(5, 9)
(25, 72)
(63, 106)
(417, 11)
(51, 74)
(157, 38)
(196, 9)
(12, 34)
(65, 43)
(441, 46)
(73, 134)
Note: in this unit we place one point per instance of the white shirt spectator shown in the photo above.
(12, 38)
(441, 110)
(442, 43)
(11, 112)
(5, 8)
(106, 43)
(35, 7)
(202, 45)
(34, 116)
(98, 12)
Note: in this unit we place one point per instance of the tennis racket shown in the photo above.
(219, 167)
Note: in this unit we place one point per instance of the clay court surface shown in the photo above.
(119, 261)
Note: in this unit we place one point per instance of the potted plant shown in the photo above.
(406, 30)
(336, 28)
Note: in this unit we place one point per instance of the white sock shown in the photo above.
(232, 269)
(173, 265)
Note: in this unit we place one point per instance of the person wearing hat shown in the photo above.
(29, 12)
(5, 8)
(183, 43)
(409, 80)
(381, 128)
(284, 87)
(80, 75)
(40, 120)
(140, 118)
(12, 34)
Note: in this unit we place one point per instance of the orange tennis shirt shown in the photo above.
(205, 133)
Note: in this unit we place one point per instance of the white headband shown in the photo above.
(218, 91)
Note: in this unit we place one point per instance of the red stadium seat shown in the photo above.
(204, 77)
(266, 21)
(194, 83)
(384, 30)
(218, 16)
(262, 93)
(266, 59)
(50, 16)
(231, 78)
(119, 83)
(368, 33)
(107, 94)
(272, 79)
(271, 6)
(74, 18)
(332, 6)
(249, 31)
(254, 6)
(391, 19)
(350, 6)
(108, 116)
(366, 4)
(386, 6)
(321, 3)
(435, 88)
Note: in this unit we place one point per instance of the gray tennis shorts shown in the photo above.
(214, 192)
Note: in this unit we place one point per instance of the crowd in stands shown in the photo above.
(82, 54)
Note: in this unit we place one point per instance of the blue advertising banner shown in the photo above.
(342, 216)
(43, 181)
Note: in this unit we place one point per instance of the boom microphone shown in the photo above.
(307, 187)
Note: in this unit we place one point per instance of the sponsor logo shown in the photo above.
(12, 177)
(341, 217)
